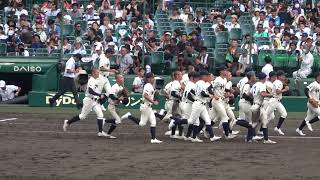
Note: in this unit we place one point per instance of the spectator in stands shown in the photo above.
(36, 42)
(255, 15)
(125, 61)
(106, 25)
(189, 54)
(3, 36)
(78, 30)
(233, 24)
(267, 68)
(20, 10)
(275, 17)
(248, 44)
(79, 48)
(52, 45)
(245, 61)
(21, 50)
(37, 14)
(149, 24)
(204, 58)
(174, 14)
(218, 23)
(8, 92)
(199, 15)
(236, 4)
(260, 32)
(75, 12)
(152, 45)
(53, 11)
(270, 27)
(165, 40)
(262, 20)
(138, 82)
(316, 49)
(302, 41)
(293, 49)
(105, 8)
(185, 13)
(232, 57)
(53, 28)
(90, 35)
(66, 46)
(90, 16)
(95, 28)
(285, 41)
(13, 40)
(41, 33)
(306, 59)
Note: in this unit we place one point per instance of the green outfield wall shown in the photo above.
(41, 99)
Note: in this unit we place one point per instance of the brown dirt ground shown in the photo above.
(34, 147)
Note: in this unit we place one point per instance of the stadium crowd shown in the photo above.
(290, 25)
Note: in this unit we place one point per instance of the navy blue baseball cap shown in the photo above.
(281, 73)
(222, 68)
(272, 73)
(149, 75)
(262, 75)
(204, 73)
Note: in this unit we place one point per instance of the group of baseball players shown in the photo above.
(198, 100)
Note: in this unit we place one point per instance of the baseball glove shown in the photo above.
(103, 100)
(125, 93)
(125, 101)
(314, 103)
(156, 96)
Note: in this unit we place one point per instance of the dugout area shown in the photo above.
(34, 147)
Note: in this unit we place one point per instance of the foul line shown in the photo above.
(10, 119)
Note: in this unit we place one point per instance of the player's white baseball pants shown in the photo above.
(168, 107)
(312, 112)
(245, 112)
(147, 114)
(301, 73)
(230, 114)
(259, 113)
(89, 105)
(275, 105)
(186, 108)
(220, 110)
(114, 113)
(199, 109)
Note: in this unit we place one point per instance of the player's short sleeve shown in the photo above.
(176, 86)
(246, 89)
(263, 88)
(136, 81)
(278, 85)
(91, 83)
(69, 64)
(229, 85)
(312, 86)
(217, 82)
(115, 89)
(148, 89)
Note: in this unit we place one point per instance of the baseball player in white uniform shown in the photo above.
(186, 105)
(245, 103)
(258, 91)
(312, 92)
(166, 93)
(104, 66)
(275, 104)
(96, 85)
(115, 98)
(199, 108)
(174, 97)
(146, 110)
(218, 104)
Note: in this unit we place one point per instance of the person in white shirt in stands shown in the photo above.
(79, 49)
(306, 59)
(20, 10)
(8, 92)
(138, 81)
(268, 67)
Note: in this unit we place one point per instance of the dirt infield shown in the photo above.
(34, 147)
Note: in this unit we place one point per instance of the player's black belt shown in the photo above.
(146, 104)
(95, 99)
(201, 102)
